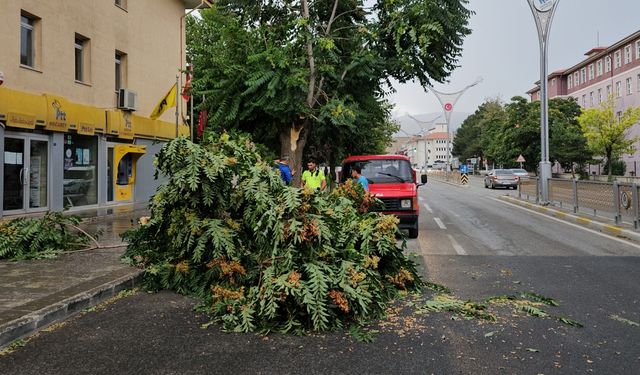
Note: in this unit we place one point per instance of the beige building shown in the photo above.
(80, 81)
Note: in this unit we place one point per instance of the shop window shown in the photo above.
(80, 170)
(29, 40)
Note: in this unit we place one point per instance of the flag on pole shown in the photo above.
(167, 101)
(202, 122)
(186, 90)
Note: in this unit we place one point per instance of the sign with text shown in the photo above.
(19, 120)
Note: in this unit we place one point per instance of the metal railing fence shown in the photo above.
(619, 201)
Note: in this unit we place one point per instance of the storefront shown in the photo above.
(56, 154)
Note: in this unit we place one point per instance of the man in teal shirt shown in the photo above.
(356, 173)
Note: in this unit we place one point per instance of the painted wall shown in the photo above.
(148, 31)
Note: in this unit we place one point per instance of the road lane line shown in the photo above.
(426, 207)
(440, 223)
(571, 224)
(456, 246)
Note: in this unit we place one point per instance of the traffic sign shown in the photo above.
(520, 159)
(474, 161)
(448, 107)
(463, 168)
(464, 179)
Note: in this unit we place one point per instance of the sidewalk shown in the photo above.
(37, 293)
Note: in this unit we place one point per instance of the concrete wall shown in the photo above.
(146, 184)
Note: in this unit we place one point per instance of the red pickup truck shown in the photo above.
(393, 181)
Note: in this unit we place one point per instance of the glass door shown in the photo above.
(14, 168)
(38, 181)
(26, 174)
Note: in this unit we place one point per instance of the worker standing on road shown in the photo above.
(313, 177)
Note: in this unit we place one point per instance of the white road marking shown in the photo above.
(456, 246)
(426, 207)
(440, 223)
(571, 224)
(421, 199)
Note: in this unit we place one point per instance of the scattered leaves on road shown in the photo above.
(624, 320)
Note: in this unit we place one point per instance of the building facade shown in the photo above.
(606, 71)
(427, 151)
(80, 80)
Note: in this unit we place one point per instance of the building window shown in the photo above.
(121, 3)
(569, 81)
(617, 59)
(607, 64)
(591, 98)
(618, 89)
(627, 54)
(608, 91)
(584, 100)
(591, 72)
(638, 50)
(82, 61)
(619, 115)
(576, 79)
(629, 86)
(583, 75)
(553, 82)
(599, 95)
(599, 68)
(121, 70)
(29, 28)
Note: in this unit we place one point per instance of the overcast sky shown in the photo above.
(503, 49)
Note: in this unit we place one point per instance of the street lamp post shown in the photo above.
(543, 12)
(448, 101)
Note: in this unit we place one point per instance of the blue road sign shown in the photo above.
(463, 168)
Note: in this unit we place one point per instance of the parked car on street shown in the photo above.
(521, 173)
(501, 178)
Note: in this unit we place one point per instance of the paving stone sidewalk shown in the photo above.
(37, 293)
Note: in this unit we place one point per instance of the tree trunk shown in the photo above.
(292, 142)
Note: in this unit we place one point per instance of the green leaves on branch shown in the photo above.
(263, 256)
(42, 237)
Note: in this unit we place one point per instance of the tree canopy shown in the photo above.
(606, 132)
(298, 72)
(501, 132)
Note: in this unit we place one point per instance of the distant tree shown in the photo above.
(567, 143)
(606, 133)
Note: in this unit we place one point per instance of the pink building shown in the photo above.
(613, 70)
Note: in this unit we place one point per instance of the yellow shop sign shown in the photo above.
(19, 120)
(86, 129)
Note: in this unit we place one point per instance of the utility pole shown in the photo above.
(543, 12)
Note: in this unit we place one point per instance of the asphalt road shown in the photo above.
(478, 247)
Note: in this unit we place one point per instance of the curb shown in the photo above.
(610, 229)
(34, 321)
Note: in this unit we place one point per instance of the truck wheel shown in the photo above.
(413, 233)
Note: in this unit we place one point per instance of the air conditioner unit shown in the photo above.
(127, 100)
